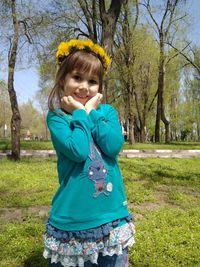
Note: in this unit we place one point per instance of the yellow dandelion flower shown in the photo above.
(65, 48)
(88, 43)
(73, 42)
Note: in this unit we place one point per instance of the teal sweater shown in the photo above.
(75, 205)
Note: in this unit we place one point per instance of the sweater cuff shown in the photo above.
(95, 116)
(78, 114)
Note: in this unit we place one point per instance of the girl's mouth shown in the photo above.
(80, 96)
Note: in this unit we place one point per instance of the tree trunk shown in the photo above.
(16, 118)
(160, 114)
(45, 125)
(163, 117)
(109, 20)
(159, 101)
(130, 119)
(143, 134)
(131, 129)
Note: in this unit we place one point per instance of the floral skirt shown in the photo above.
(75, 251)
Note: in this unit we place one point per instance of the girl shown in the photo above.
(89, 223)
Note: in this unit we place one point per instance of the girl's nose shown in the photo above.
(84, 86)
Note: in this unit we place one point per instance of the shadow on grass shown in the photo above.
(36, 259)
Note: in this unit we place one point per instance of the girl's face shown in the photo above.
(81, 86)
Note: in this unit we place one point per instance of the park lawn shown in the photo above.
(5, 144)
(172, 145)
(47, 145)
(163, 195)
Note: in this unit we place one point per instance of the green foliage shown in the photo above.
(190, 107)
(167, 236)
(163, 196)
(5, 110)
(32, 120)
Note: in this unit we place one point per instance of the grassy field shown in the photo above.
(163, 194)
(5, 145)
(172, 145)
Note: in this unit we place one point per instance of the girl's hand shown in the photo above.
(69, 104)
(93, 103)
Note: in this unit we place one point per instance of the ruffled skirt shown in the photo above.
(75, 251)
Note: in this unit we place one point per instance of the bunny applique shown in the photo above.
(97, 172)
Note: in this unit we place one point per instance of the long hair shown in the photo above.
(80, 61)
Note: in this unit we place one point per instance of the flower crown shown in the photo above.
(66, 48)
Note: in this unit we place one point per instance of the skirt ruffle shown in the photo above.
(92, 234)
(75, 251)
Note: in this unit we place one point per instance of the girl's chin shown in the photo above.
(82, 101)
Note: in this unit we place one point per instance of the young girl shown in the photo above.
(89, 223)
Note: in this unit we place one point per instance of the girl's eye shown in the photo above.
(93, 82)
(77, 78)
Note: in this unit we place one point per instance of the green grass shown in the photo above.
(27, 145)
(28, 182)
(163, 194)
(42, 145)
(172, 145)
(168, 237)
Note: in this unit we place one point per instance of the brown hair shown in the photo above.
(81, 61)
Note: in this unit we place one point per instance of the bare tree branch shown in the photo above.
(165, 15)
(186, 57)
(150, 106)
(151, 15)
(137, 14)
(26, 31)
(177, 53)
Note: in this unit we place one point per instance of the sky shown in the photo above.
(25, 83)
(26, 80)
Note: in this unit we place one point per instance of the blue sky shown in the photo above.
(26, 80)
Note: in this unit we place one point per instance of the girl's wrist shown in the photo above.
(88, 110)
(80, 108)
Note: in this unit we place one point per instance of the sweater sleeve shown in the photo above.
(70, 138)
(106, 131)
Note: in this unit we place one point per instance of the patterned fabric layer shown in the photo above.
(92, 234)
(75, 251)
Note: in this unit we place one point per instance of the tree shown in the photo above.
(169, 18)
(106, 27)
(191, 103)
(42, 97)
(88, 19)
(5, 110)
(145, 75)
(125, 57)
(19, 20)
(16, 118)
(103, 30)
(32, 120)
(138, 79)
(172, 94)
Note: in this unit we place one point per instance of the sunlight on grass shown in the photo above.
(167, 236)
(172, 145)
(28, 182)
(163, 194)
(5, 144)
